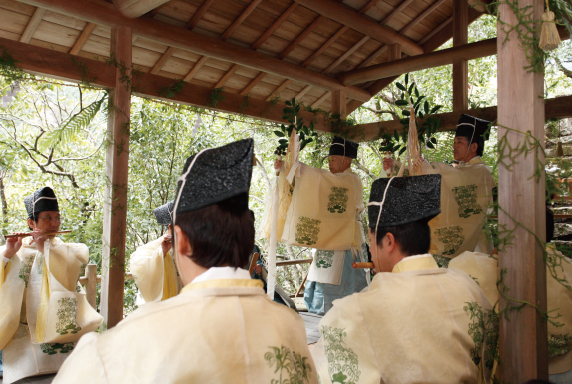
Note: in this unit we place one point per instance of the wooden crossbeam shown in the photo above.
(199, 14)
(397, 10)
(348, 16)
(50, 63)
(100, 12)
(323, 98)
(557, 108)
(416, 63)
(82, 39)
(274, 26)
(240, 19)
(136, 8)
(32, 25)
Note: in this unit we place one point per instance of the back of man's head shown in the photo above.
(412, 238)
(221, 234)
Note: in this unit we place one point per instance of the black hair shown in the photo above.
(220, 235)
(413, 238)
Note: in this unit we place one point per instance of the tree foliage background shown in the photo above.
(54, 133)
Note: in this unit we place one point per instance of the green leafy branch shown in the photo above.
(8, 68)
(216, 97)
(423, 109)
(306, 132)
(73, 125)
(173, 90)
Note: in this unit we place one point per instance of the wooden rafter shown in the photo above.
(460, 66)
(199, 14)
(136, 8)
(82, 39)
(435, 41)
(285, 52)
(51, 63)
(422, 16)
(323, 98)
(415, 63)
(101, 12)
(32, 25)
(348, 16)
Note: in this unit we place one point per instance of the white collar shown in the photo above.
(216, 273)
(407, 258)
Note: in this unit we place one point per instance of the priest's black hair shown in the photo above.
(221, 234)
(413, 238)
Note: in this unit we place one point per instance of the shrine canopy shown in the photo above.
(238, 56)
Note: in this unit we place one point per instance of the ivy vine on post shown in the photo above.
(306, 132)
(410, 96)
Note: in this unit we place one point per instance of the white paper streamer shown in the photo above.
(273, 239)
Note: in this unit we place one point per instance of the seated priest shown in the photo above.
(416, 323)
(43, 310)
(152, 264)
(324, 215)
(466, 194)
(221, 328)
(483, 269)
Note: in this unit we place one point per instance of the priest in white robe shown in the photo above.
(416, 323)
(43, 310)
(152, 264)
(222, 327)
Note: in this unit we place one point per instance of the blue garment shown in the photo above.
(318, 297)
(1, 370)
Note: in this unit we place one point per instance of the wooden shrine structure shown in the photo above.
(329, 54)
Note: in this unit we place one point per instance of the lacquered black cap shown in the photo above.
(343, 147)
(164, 213)
(407, 199)
(44, 199)
(472, 128)
(214, 175)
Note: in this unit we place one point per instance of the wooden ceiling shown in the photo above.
(266, 49)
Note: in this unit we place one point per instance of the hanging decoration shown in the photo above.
(14, 89)
(549, 36)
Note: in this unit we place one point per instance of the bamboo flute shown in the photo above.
(26, 234)
(363, 265)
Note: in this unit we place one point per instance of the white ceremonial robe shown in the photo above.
(219, 329)
(466, 194)
(155, 275)
(413, 325)
(43, 310)
(483, 269)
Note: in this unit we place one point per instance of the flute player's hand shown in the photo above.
(13, 245)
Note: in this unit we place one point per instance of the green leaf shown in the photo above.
(282, 141)
(396, 135)
(406, 78)
(401, 86)
(401, 102)
(434, 140)
(279, 134)
(430, 145)
(436, 108)
(406, 112)
(416, 92)
(402, 150)
(426, 107)
(288, 103)
(302, 145)
(410, 90)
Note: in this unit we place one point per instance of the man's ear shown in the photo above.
(474, 147)
(31, 224)
(389, 242)
(183, 245)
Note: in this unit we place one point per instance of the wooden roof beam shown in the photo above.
(416, 63)
(558, 108)
(135, 8)
(47, 62)
(32, 25)
(100, 12)
(350, 17)
(82, 39)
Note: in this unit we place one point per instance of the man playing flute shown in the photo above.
(43, 311)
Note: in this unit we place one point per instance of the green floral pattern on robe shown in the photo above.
(343, 364)
(293, 368)
(53, 348)
(25, 269)
(307, 230)
(466, 198)
(324, 259)
(66, 316)
(338, 200)
(452, 238)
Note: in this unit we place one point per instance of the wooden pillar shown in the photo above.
(117, 159)
(523, 334)
(339, 103)
(394, 52)
(460, 66)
